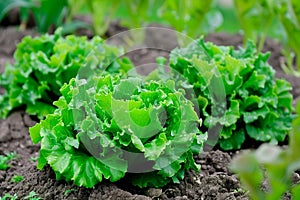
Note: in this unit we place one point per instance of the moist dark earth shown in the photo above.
(215, 181)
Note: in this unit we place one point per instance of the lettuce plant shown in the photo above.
(237, 92)
(107, 125)
(43, 64)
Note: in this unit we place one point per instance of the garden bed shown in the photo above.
(215, 181)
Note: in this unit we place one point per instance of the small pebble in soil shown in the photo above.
(182, 198)
(153, 192)
(197, 180)
(2, 176)
(28, 121)
(4, 133)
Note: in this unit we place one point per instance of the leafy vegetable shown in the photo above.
(237, 91)
(255, 19)
(279, 19)
(46, 13)
(43, 64)
(289, 15)
(272, 163)
(32, 196)
(191, 17)
(108, 125)
(17, 178)
(67, 192)
(130, 14)
(7, 5)
(4, 159)
(102, 13)
(9, 197)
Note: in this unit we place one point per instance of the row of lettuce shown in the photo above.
(101, 119)
(255, 19)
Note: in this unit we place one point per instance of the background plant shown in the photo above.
(237, 92)
(108, 125)
(255, 18)
(191, 17)
(31, 196)
(46, 13)
(43, 64)
(289, 15)
(272, 163)
(279, 19)
(17, 178)
(258, 19)
(5, 158)
(9, 197)
(102, 19)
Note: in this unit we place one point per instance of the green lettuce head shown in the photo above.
(238, 94)
(43, 64)
(108, 125)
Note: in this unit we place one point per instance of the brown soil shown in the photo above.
(215, 181)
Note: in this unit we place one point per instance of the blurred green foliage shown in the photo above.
(191, 17)
(45, 12)
(259, 19)
(289, 15)
(271, 163)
